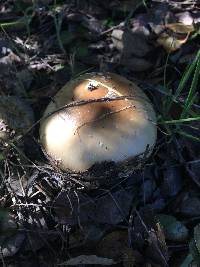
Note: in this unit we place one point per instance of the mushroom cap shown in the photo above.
(118, 130)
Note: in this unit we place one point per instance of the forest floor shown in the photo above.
(153, 217)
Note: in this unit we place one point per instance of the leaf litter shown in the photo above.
(142, 219)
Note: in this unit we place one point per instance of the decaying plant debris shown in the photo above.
(151, 215)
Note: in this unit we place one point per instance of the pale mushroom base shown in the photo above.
(103, 174)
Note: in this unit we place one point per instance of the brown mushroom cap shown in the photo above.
(80, 136)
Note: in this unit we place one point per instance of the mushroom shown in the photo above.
(116, 123)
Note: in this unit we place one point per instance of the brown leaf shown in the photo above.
(146, 228)
(115, 246)
(88, 260)
(180, 27)
(171, 43)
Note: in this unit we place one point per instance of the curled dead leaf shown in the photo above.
(171, 43)
(178, 36)
(180, 27)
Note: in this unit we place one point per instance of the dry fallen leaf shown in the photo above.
(171, 43)
(115, 246)
(180, 28)
(89, 260)
(148, 238)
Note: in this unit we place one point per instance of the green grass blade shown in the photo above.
(180, 120)
(194, 138)
(187, 74)
(192, 92)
